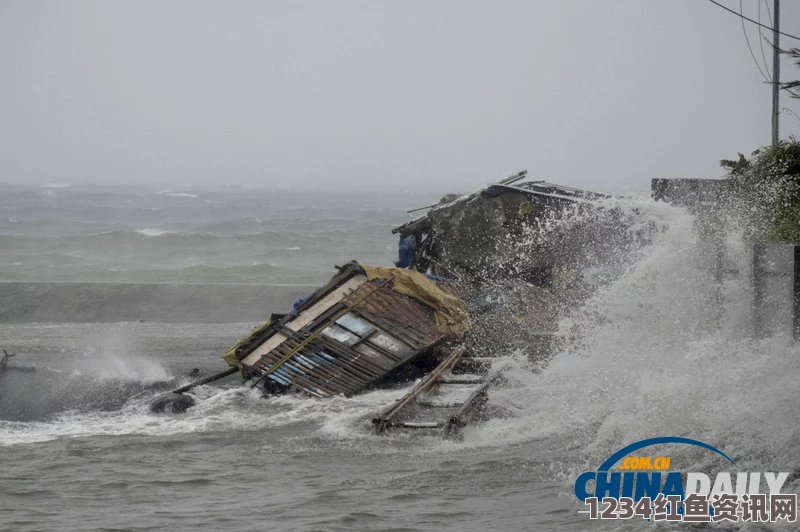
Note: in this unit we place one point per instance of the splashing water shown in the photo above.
(652, 353)
(113, 356)
(655, 354)
(236, 409)
(130, 368)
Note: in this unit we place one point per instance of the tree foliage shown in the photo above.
(767, 189)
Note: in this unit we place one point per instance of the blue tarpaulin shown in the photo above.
(406, 250)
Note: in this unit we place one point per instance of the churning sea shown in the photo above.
(112, 294)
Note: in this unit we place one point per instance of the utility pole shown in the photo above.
(776, 70)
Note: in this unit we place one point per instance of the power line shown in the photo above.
(769, 13)
(783, 86)
(761, 35)
(751, 20)
(747, 39)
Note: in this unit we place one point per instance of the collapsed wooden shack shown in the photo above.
(522, 247)
(365, 326)
(462, 288)
(368, 326)
(477, 237)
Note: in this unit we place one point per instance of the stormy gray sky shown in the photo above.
(451, 94)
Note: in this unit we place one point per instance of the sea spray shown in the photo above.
(646, 355)
(664, 349)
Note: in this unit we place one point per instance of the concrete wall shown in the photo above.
(774, 286)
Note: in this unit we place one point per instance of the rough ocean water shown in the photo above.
(80, 451)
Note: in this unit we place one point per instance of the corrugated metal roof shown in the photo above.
(351, 344)
(541, 189)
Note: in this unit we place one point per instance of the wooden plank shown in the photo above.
(452, 429)
(420, 425)
(305, 318)
(386, 418)
(461, 380)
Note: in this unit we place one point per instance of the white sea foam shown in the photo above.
(226, 410)
(217, 409)
(179, 194)
(651, 356)
(152, 232)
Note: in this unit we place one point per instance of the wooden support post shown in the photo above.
(211, 378)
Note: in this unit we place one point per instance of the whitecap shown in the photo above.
(179, 194)
(152, 232)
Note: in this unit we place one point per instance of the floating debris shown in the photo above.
(453, 293)
(5, 360)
